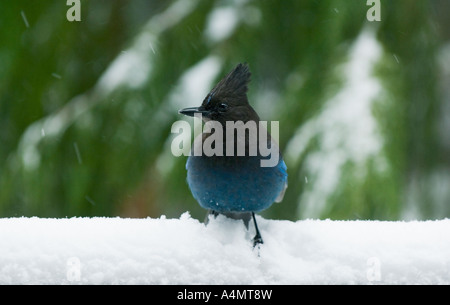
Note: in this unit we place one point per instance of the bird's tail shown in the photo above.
(244, 216)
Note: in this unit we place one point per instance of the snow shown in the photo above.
(25, 20)
(132, 68)
(226, 18)
(221, 23)
(185, 251)
(345, 129)
(195, 83)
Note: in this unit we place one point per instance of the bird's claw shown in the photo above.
(257, 240)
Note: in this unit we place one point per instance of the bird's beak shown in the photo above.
(193, 110)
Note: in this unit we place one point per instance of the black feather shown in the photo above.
(234, 85)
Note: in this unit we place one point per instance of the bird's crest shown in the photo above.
(233, 85)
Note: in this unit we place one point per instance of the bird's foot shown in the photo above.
(257, 240)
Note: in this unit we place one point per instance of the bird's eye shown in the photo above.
(223, 107)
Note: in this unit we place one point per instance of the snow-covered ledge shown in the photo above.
(184, 251)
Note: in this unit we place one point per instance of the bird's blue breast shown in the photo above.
(235, 184)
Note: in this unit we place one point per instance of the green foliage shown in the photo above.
(81, 137)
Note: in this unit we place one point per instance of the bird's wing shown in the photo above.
(283, 169)
(281, 195)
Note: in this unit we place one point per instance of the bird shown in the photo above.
(235, 185)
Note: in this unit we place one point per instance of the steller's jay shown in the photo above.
(233, 184)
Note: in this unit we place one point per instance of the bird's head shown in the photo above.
(227, 101)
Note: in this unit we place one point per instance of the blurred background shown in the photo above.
(86, 108)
